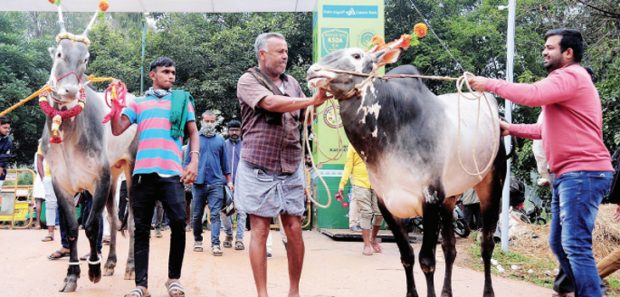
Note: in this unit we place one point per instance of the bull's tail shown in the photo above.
(124, 221)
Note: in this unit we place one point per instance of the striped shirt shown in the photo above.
(158, 152)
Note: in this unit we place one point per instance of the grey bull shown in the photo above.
(89, 158)
(421, 151)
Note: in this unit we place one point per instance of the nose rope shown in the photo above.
(79, 80)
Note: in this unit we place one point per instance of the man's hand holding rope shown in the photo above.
(117, 91)
(320, 97)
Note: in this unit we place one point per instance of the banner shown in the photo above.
(338, 24)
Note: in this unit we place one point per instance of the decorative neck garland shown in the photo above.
(59, 115)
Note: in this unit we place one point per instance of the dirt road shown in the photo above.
(331, 268)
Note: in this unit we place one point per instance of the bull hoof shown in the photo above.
(489, 293)
(130, 274)
(94, 272)
(108, 269)
(70, 284)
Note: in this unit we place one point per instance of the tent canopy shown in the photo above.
(141, 6)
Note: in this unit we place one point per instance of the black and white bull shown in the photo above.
(89, 158)
(417, 161)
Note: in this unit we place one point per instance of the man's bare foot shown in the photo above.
(376, 246)
(367, 250)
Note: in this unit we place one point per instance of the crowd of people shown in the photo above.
(261, 165)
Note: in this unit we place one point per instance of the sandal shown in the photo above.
(138, 292)
(48, 238)
(228, 242)
(175, 289)
(58, 254)
(239, 245)
(216, 251)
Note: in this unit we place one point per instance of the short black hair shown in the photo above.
(571, 38)
(4, 121)
(233, 124)
(161, 62)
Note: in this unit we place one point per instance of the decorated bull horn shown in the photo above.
(61, 20)
(103, 7)
(388, 53)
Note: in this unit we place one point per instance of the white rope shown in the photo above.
(463, 80)
(74, 263)
(310, 115)
(98, 261)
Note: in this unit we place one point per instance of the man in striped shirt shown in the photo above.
(158, 173)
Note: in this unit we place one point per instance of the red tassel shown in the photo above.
(55, 139)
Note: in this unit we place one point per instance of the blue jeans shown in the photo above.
(213, 195)
(227, 221)
(574, 206)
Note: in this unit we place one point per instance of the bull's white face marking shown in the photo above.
(375, 133)
(350, 59)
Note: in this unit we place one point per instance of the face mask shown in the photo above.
(207, 129)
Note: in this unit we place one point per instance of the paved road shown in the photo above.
(331, 269)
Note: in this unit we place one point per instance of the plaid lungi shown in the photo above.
(269, 194)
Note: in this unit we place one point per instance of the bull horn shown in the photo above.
(103, 7)
(61, 21)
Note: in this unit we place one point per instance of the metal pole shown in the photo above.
(510, 49)
(144, 24)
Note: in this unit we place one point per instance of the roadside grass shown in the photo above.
(528, 267)
(515, 266)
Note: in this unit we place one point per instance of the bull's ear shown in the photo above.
(387, 56)
(52, 51)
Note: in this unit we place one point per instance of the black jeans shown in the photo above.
(147, 188)
(122, 201)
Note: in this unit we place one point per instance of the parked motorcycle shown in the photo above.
(460, 226)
